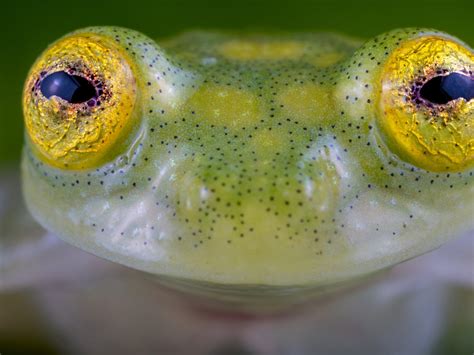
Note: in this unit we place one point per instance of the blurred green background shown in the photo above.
(28, 27)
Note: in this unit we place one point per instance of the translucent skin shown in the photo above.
(257, 166)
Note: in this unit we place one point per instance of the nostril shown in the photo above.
(442, 89)
(72, 88)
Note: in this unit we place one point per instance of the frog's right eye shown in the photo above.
(79, 102)
(427, 103)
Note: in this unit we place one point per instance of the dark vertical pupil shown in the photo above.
(72, 88)
(442, 89)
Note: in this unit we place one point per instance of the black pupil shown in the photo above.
(72, 88)
(442, 89)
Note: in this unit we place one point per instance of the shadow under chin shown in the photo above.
(406, 311)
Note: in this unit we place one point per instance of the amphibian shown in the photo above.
(253, 162)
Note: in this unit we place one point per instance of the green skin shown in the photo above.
(286, 193)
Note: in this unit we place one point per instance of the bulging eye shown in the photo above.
(426, 103)
(79, 102)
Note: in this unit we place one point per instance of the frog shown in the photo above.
(252, 167)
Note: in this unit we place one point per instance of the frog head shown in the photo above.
(251, 163)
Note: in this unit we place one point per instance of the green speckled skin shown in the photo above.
(252, 171)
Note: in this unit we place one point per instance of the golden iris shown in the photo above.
(431, 135)
(80, 134)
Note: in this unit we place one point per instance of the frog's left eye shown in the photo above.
(79, 101)
(427, 103)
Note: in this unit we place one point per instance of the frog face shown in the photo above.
(252, 160)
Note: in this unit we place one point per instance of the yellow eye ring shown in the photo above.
(439, 135)
(80, 126)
